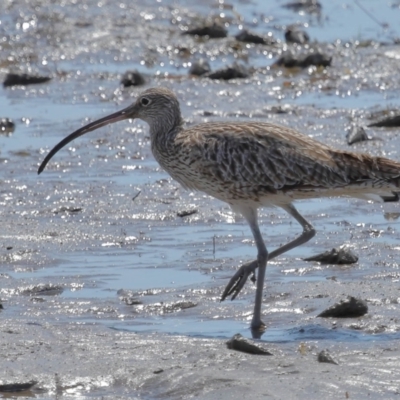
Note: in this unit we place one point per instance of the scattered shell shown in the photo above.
(303, 349)
(357, 134)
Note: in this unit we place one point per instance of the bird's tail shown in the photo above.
(381, 176)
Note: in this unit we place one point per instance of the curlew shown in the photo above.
(251, 165)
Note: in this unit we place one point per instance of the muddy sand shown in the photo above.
(111, 274)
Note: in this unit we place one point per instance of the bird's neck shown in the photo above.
(163, 132)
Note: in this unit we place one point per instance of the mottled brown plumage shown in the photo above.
(251, 165)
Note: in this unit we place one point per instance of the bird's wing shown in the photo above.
(255, 154)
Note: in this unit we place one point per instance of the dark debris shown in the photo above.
(317, 59)
(200, 67)
(325, 357)
(64, 209)
(389, 122)
(249, 37)
(24, 79)
(309, 6)
(349, 308)
(343, 255)
(239, 343)
(213, 31)
(298, 36)
(186, 213)
(233, 72)
(7, 126)
(16, 387)
(132, 78)
(43, 289)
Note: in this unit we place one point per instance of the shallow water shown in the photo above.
(140, 246)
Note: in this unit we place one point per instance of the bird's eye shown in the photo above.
(144, 101)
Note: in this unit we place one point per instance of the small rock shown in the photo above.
(357, 134)
(42, 289)
(317, 59)
(213, 31)
(393, 198)
(132, 301)
(298, 36)
(309, 6)
(279, 109)
(391, 216)
(248, 37)
(200, 67)
(16, 387)
(23, 79)
(186, 213)
(7, 126)
(325, 357)
(178, 306)
(132, 78)
(64, 209)
(239, 343)
(183, 51)
(37, 300)
(158, 371)
(343, 255)
(288, 61)
(390, 122)
(236, 71)
(350, 308)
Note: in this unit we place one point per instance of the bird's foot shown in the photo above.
(238, 280)
(257, 328)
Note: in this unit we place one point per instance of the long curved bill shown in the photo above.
(117, 116)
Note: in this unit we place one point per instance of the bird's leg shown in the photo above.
(262, 256)
(238, 280)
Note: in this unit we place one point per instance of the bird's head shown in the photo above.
(154, 105)
(159, 107)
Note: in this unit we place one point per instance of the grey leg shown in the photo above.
(238, 280)
(262, 256)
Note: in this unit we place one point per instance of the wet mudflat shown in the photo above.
(110, 286)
